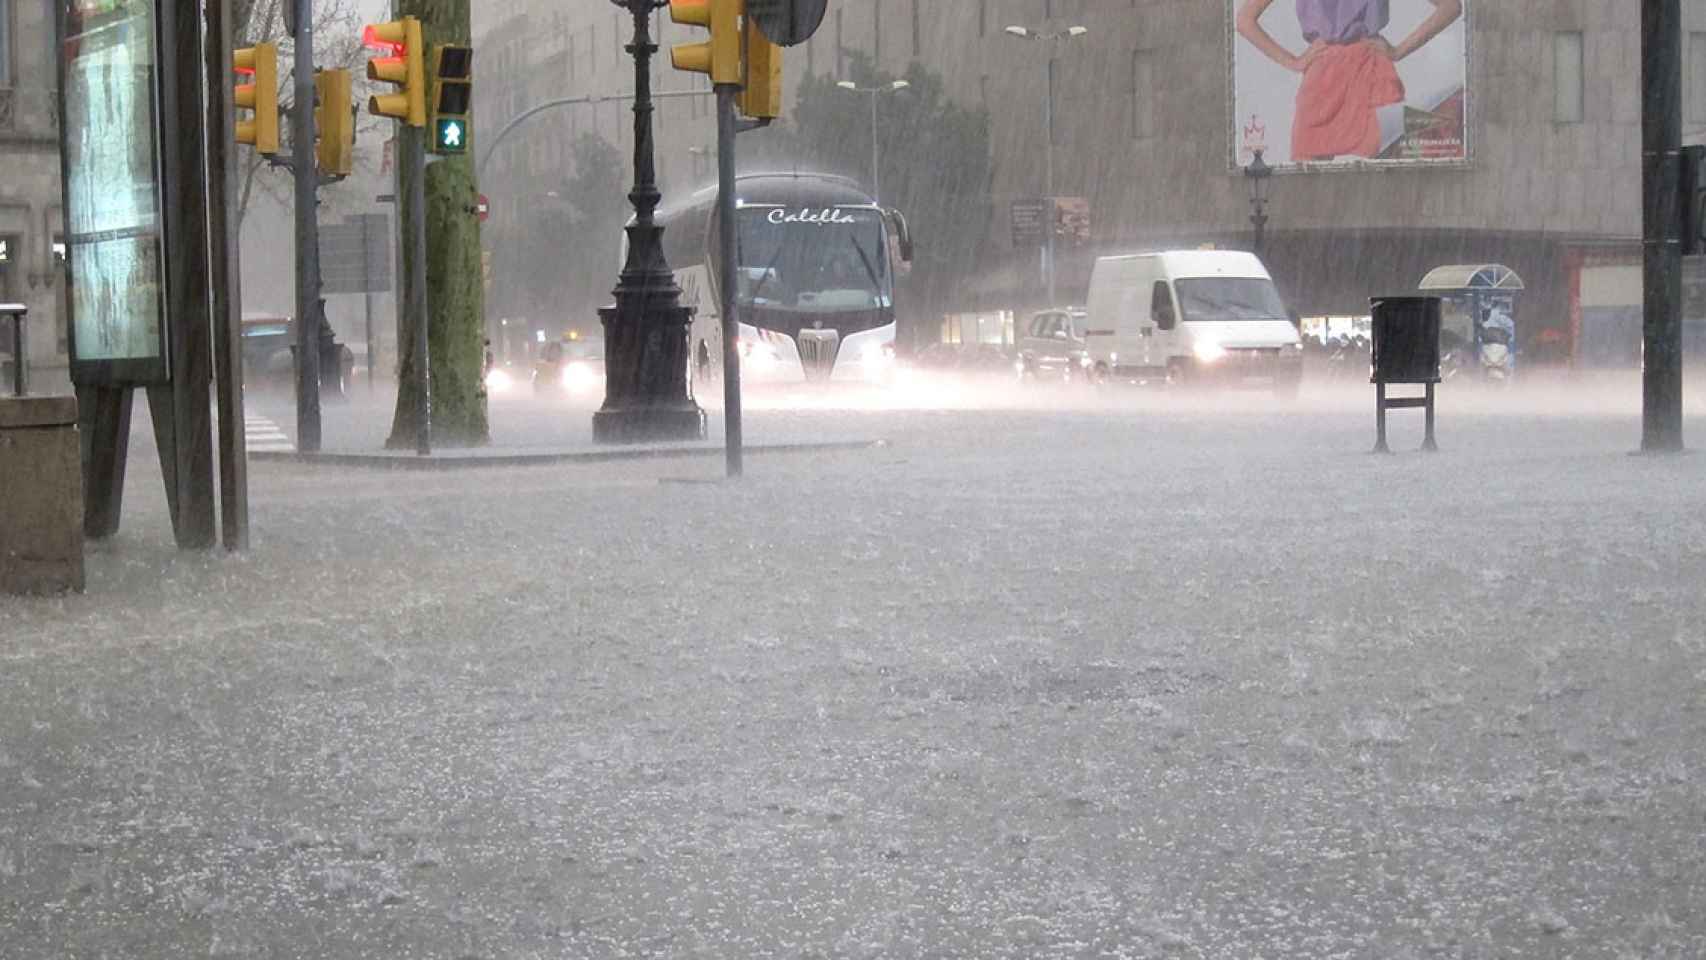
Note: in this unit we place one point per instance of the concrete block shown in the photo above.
(41, 496)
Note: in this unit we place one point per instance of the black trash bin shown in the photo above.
(1406, 350)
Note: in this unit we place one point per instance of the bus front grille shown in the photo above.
(817, 352)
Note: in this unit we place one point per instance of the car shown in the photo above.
(570, 365)
(1051, 346)
(269, 360)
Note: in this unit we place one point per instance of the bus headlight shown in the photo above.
(877, 354)
(1208, 351)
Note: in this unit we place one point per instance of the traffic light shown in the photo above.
(260, 64)
(718, 56)
(762, 96)
(452, 97)
(404, 66)
(335, 122)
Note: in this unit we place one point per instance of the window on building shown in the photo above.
(1053, 102)
(877, 34)
(1696, 96)
(840, 47)
(6, 43)
(917, 32)
(1567, 76)
(1142, 95)
(982, 18)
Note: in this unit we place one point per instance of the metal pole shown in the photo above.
(876, 176)
(1048, 174)
(367, 294)
(20, 349)
(413, 141)
(1661, 138)
(307, 236)
(225, 282)
(726, 274)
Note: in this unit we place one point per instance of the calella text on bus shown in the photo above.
(825, 216)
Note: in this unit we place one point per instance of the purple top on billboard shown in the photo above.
(1342, 21)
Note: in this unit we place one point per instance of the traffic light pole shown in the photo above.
(307, 181)
(1661, 168)
(727, 276)
(411, 141)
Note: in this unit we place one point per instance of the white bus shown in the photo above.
(816, 267)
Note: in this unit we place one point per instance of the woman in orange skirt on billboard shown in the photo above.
(1349, 69)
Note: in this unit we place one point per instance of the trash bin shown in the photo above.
(1406, 340)
(1406, 350)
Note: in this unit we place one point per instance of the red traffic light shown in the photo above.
(371, 38)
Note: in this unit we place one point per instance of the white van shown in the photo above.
(1184, 315)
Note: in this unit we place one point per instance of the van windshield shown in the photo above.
(1229, 298)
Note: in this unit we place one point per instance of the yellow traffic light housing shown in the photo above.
(720, 55)
(260, 64)
(335, 121)
(452, 97)
(404, 66)
(762, 96)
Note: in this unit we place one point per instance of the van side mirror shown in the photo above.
(1161, 307)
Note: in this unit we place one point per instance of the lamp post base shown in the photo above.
(654, 424)
(646, 398)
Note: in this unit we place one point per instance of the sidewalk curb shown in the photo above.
(404, 460)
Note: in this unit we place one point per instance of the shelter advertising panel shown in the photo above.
(112, 190)
(1343, 83)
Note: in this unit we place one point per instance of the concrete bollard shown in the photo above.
(41, 496)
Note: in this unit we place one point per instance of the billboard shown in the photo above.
(112, 190)
(1325, 83)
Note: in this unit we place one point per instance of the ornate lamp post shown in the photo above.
(1256, 176)
(646, 329)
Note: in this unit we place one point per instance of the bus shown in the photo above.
(816, 265)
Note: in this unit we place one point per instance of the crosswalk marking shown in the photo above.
(262, 435)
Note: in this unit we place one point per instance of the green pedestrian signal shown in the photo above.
(452, 136)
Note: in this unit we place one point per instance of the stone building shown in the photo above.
(1143, 130)
(31, 241)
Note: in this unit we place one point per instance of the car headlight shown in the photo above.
(1208, 351)
(578, 375)
(498, 380)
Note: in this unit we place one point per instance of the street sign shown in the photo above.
(1030, 221)
(355, 256)
(482, 208)
(787, 23)
(450, 136)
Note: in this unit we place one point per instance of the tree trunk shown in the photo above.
(456, 327)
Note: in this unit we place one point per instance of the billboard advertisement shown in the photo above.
(1325, 83)
(112, 190)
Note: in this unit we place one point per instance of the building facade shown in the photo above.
(1141, 101)
(31, 239)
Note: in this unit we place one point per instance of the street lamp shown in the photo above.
(1070, 33)
(894, 87)
(1256, 176)
(645, 330)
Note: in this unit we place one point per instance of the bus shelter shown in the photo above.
(1473, 297)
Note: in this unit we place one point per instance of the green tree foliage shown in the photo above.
(934, 164)
(567, 260)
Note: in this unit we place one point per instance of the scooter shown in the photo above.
(1496, 355)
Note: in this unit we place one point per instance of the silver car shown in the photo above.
(1051, 346)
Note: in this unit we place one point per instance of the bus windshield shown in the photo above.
(1229, 298)
(816, 260)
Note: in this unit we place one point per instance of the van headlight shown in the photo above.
(1208, 351)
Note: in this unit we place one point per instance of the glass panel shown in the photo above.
(112, 191)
